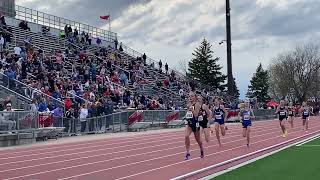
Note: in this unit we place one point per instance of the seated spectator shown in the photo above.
(45, 30)
(99, 42)
(7, 118)
(24, 25)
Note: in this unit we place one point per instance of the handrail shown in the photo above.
(15, 38)
(36, 90)
(45, 19)
(13, 92)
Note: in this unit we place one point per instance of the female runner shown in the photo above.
(282, 113)
(246, 114)
(219, 114)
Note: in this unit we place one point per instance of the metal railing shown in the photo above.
(34, 16)
(28, 91)
(115, 122)
(11, 121)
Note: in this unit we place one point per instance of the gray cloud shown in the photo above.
(85, 11)
(171, 29)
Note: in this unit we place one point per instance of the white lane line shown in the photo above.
(310, 145)
(181, 162)
(143, 141)
(102, 161)
(136, 138)
(112, 148)
(305, 142)
(105, 154)
(252, 160)
(140, 173)
(86, 143)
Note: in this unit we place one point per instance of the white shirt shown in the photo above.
(83, 114)
(1, 40)
(17, 50)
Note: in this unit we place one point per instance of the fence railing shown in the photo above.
(11, 121)
(34, 16)
(28, 91)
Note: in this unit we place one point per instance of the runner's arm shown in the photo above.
(252, 114)
(206, 108)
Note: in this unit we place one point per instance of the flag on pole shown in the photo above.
(105, 17)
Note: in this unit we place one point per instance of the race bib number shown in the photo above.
(246, 117)
(189, 115)
(197, 125)
(282, 113)
(290, 112)
(306, 113)
(218, 116)
(200, 118)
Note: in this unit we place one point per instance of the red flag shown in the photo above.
(105, 17)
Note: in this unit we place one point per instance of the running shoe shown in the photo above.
(247, 145)
(283, 135)
(187, 156)
(201, 154)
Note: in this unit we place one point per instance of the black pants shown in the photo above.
(83, 125)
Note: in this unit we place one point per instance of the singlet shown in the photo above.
(202, 115)
(282, 112)
(246, 115)
(218, 113)
(306, 112)
(189, 114)
(290, 110)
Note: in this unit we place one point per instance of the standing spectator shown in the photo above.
(116, 43)
(2, 45)
(89, 39)
(83, 115)
(120, 47)
(2, 21)
(160, 65)
(167, 68)
(144, 57)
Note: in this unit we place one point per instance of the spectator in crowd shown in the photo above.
(120, 47)
(83, 115)
(6, 118)
(45, 30)
(160, 66)
(166, 68)
(62, 34)
(116, 43)
(2, 45)
(3, 23)
(144, 57)
(99, 42)
(24, 25)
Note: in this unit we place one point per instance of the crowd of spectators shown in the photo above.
(101, 81)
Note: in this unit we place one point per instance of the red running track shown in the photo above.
(150, 156)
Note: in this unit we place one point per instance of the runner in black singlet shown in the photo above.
(192, 124)
(282, 114)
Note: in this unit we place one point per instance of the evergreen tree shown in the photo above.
(204, 68)
(236, 90)
(259, 85)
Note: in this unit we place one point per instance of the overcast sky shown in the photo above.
(171, 29)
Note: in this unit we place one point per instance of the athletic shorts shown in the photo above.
(193, 124)
(281, 118)
(290, 115)
(203, 124)
(246, 123)
(305, 117)
(219, 121)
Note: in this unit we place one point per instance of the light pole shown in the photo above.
(229, 52)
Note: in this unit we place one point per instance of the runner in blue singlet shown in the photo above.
(246, 115)
(219, 113)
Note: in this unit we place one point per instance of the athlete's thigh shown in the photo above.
(188, 130)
